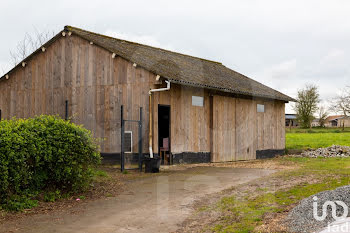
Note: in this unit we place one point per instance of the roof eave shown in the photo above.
(227, 90)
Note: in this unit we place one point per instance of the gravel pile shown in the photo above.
(301, 218)
(333, 151)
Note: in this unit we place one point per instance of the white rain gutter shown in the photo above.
(167, 88)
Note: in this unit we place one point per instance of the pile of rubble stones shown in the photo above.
(333, 151)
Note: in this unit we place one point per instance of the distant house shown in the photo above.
(344, 121)
(291, 120)
(315, 123)
(332, 121)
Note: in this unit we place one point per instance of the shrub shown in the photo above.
(44, 154)
(16, 202)
(52, 196)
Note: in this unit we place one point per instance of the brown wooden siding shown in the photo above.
(92, 81)
(239, 130)
(190, 128)
(224, 129)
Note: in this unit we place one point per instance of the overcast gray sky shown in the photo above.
(283, 44)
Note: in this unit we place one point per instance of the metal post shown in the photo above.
(0, 115)
(122, 140)
(66, 114)
(140, 140)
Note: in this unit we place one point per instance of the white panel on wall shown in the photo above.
(197, 101)
(261, 108)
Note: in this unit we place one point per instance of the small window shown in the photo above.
(261, 108)
(128, 142)
(197, 101)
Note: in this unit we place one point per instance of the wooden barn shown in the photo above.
(194, 110)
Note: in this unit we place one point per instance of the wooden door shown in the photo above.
(223, 146)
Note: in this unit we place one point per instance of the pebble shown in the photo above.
(333, 151)
(301, 218)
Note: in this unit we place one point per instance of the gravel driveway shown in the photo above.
(154, 204)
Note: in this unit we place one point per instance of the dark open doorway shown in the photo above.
(164, 133)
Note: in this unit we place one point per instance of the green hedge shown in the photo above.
(43, 154)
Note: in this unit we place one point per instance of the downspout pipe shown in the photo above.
(167, 88)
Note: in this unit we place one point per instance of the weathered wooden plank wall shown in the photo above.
(238, 130)
(270, 126)
(190, 125)
(245, 129)
(224, 129)
(252, 130)
(92, 81)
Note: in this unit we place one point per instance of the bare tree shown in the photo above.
(29, 44)
(322, 116)
(341, 103)
(306, 106)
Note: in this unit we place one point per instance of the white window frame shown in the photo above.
(260, 108)
(197, 101)
(129, 132)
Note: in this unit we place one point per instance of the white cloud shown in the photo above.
(283, 70)
(335, 63)
(150, 40)
(281, 76)
(143, 39)
(147, 39)
(333, 56)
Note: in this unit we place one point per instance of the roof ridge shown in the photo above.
(69, 28)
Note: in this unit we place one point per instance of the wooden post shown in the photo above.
(122, 140)
(140, 140)
(150, 123)
(66, 113)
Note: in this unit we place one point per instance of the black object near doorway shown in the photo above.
(164, 134)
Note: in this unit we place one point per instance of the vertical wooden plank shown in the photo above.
(224, 129)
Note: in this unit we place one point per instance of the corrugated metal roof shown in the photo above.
(291, 116)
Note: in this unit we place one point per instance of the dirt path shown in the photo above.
(154, 204)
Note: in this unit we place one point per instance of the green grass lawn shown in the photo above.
(316, 138)
(318, 130)
(247, 213)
